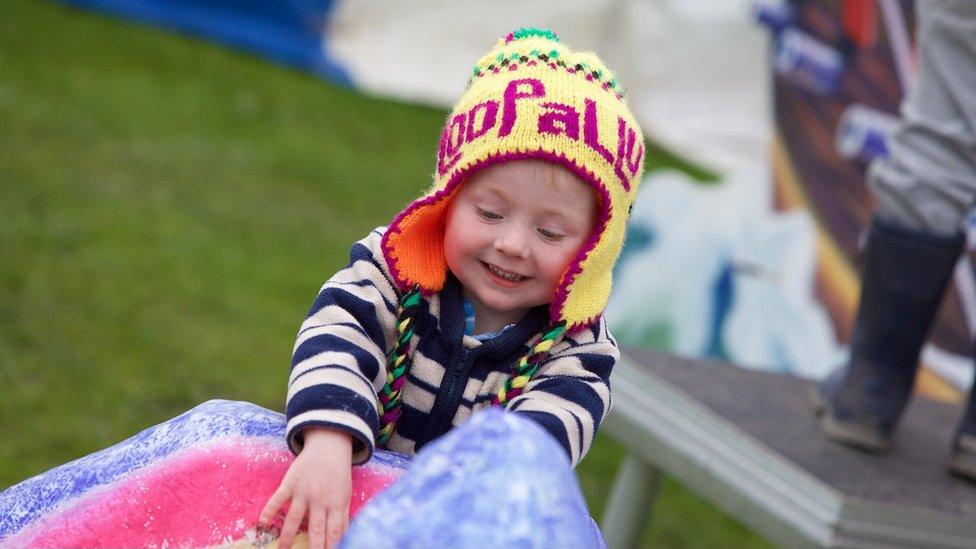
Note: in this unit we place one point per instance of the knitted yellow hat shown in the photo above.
(532, 98)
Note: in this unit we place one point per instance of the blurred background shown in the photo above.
(178, 177)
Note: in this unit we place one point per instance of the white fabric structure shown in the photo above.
(695, 71)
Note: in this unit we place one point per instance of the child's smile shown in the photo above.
(512, 230)
(505, 276)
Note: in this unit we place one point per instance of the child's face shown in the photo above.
(512, 230)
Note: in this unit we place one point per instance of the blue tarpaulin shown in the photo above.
(292, 32)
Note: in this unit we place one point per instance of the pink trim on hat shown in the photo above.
(580, 326)
(575, 266)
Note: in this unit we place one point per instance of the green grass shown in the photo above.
(168, 210)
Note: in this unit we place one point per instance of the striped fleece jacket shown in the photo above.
(339, 365)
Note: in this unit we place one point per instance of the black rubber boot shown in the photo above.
(902, 282)
(963, 460)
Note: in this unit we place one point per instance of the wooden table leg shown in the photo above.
(634, 491)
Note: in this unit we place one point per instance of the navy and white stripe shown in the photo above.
(339, 365)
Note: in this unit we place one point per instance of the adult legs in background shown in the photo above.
(924, 189)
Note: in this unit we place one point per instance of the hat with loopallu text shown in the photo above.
(532, 97)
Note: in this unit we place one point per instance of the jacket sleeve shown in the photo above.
(339, 360)
(570, 394)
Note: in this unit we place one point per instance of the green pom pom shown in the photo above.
(531, 32)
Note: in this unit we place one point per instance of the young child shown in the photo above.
(486, 291)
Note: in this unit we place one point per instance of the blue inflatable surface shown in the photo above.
(497, 480)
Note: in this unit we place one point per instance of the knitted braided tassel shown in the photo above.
(529, 364)
(397, 364)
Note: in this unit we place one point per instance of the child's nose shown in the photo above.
(513, 243)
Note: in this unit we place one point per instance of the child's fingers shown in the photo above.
(271, 508)
(316, 527)
(345, 519)
(294, 519)
(333, 531)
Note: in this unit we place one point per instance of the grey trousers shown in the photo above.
(928, 182)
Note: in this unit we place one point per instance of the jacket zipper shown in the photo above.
(449, 405)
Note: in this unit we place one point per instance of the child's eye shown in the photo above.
(488, 214)
(551, 236)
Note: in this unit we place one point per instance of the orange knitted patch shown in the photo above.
(418, 247)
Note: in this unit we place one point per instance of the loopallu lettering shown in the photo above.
(501, 116)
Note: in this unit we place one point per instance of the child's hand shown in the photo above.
(318, 484)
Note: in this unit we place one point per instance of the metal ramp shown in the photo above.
(746, 441)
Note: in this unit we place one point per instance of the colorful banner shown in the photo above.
(841, 70)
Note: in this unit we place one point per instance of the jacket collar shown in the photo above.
(499, 347)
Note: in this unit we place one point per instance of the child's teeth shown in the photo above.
(506, 276)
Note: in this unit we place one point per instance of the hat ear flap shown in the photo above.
(414, 245)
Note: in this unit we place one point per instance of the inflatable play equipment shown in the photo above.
(202, 478)
(197, 480)
(498, 480)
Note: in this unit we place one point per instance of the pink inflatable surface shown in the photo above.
(199, 480)
(202, 478)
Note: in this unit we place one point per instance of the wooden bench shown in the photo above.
(747, 442)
